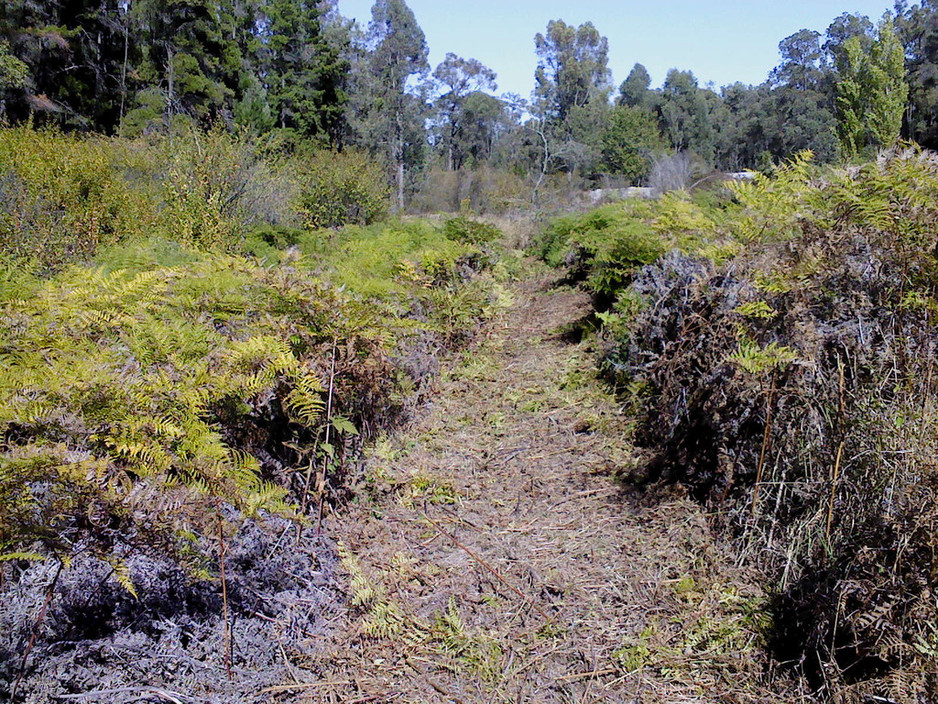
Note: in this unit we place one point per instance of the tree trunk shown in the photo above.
(171, 78)
(399, 154)
(400, 186)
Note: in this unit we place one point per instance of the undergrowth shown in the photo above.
(779, 345)
(163, 386)
(65, 197)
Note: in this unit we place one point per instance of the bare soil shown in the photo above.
(493, 555)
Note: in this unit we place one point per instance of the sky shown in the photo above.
(720, 41)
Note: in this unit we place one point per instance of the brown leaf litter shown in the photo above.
(493, 556)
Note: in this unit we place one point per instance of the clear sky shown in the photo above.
(722, 42)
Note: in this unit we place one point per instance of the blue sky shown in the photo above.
(722, 42)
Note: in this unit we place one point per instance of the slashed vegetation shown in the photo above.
(790, 388)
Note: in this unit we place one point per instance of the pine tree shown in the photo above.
(303, 73)
(871, 91)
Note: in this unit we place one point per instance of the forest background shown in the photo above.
(290, 71)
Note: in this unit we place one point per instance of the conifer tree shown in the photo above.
(871, 91)
(302, 73)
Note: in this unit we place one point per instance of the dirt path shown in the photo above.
(494, 558)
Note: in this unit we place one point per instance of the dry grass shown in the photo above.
(493, 557)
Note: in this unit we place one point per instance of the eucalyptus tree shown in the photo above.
(571, 96)
(388, 111)
(684, 113)
(917, 26)
(802, 66)
(459, 80)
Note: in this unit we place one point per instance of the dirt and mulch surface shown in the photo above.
(492, 554)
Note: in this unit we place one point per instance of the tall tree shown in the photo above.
(302, 71)
(571, 94)
(635, 90)
(389, 117)
(572, 68)
(685, 114)
(918, 30)
(802, 61)
(871, 91)
(459, 78)
(888, 90)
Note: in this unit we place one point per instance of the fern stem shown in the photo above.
(35, 634)
(835, 474)
(325, 459)
(222, 550)
(766, 437)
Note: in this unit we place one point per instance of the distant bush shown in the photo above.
(340, 188)
(468, 231)
(607, 247)
(675, 172)
(63, 196)
(215, 187)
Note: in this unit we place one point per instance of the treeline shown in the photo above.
(293, 65)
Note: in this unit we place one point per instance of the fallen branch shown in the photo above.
(586, 675)
(173, 697)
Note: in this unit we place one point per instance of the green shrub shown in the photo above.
(468, 231)
(62, 197)
(340, 188)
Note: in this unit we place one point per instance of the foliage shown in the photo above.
(143, 394)
(572, 68)
(607, 245)
(61, 198)
(387, 117)
(340, 188)
(468, 231)
(629, 141)
(13, 72)
(790, 390)
(871, 91)
(65, 196)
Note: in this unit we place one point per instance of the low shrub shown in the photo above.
(468, 231)
(606, 247)
(62, 197)
(340, 188)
